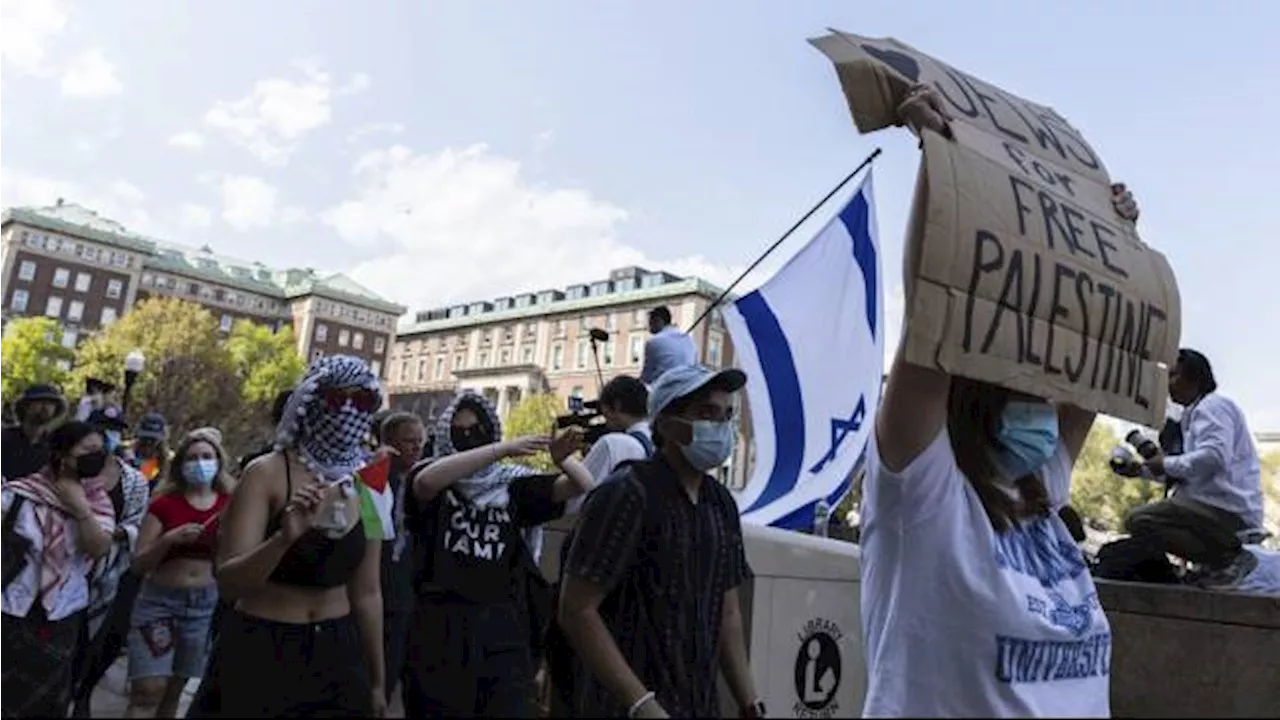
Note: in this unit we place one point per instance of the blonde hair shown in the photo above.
(175, 483)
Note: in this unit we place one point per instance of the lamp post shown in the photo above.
(134, 362)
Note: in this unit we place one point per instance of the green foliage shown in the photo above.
(193, 376)
(1271, 495)
(266, 362)
(535, 415)
(30, 353)
(1100, 496)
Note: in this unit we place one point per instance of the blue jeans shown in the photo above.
(169, 631)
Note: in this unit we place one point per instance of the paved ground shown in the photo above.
(111, 696)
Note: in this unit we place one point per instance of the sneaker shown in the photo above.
(1230, 576)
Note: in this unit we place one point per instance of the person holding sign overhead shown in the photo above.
(975, 600)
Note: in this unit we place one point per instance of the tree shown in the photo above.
(535, 415)
(266, 361)
(189, 377)
(31, 353)
(1271, 496)
(1102, 497)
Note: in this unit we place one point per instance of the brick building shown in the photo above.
(68, 263)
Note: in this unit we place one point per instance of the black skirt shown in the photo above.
(262, 668)
(38, 658)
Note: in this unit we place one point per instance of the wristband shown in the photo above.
(635, 706)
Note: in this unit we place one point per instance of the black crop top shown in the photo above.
(315, 559)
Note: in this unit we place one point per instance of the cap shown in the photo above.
(41, 392)
(152, 425)
(107, 418)
(684, 380)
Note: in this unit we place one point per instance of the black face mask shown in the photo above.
(91, 464)
(470, 438)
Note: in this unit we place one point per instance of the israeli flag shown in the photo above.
(811, 341)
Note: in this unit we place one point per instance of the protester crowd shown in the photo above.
(344, 559)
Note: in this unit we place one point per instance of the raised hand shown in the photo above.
(525, 446)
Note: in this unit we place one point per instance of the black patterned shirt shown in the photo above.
(665, 564)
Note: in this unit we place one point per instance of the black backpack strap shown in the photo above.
(645, 442)
(11, 515)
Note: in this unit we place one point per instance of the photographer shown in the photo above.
(622, 405)
(1219, 493)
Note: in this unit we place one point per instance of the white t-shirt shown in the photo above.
(961, 622)
(607, 453)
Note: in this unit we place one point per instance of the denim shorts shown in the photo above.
(169, 631)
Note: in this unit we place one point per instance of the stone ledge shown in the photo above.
(1187, 603)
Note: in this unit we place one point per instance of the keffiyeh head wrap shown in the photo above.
(489, 487)
(332, 443)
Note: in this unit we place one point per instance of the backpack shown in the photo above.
(1134, 560)
(15, 547)
(645, 442)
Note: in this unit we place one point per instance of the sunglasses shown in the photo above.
(361, 399)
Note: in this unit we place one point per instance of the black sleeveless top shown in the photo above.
(315, 559)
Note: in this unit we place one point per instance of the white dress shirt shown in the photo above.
(607, 453)
(1219, 464)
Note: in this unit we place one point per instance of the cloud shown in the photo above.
(28, 28)
(195, 216)
(118, 200)
(542, 140)
(189, 139)
(466, 223)
(379, 128)
(89, 74)
(272, 119)
(248, 202)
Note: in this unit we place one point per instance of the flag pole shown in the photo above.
(874, 154)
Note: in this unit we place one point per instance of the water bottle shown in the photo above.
(821, 515)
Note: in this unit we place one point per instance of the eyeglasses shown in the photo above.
(360, 398)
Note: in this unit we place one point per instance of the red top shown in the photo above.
(174, 510)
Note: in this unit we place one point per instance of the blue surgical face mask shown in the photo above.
(1028, 437)
(711, 446)
(111, 441)
(200, 472)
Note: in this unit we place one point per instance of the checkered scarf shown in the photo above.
(331, 443)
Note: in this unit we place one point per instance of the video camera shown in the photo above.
(586, 415)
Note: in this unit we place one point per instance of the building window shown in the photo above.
(148, 279)
(107, 317)
(404, 371)
(69, 339)
(560, 328)
(557, 356)
(458, 361)
(376, 367)
(482, 359)
(379, 345)
(19, 301)
(440, 368)
(635, 352)
(508, 334)
(344, 337)
(582, 353)
(83, 281)
(53, 308)
(322, 332)
(611, 323)
(114, 288)
(75, 311)
(61, 277)
(225, 323)
(526, 355)
(713, 351)
(422, 370)
(504, 358)
(638, 318)
(607, 354)
(357, 342)
(27, 271)
(530, 329)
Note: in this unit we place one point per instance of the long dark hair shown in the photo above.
(973, 424)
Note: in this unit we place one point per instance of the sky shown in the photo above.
(449, 151)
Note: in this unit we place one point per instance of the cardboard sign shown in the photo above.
(1023, 275)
